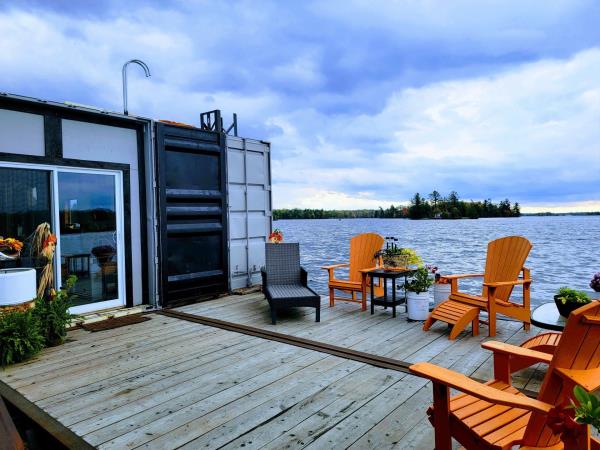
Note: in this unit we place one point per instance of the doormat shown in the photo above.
(114, 322)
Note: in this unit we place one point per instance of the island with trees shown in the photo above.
(433, 206)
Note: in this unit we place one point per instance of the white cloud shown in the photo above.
(527, 132)
(332, 99)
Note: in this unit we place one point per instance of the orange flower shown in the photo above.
(12, 243)
(50, 240)
(276, 236)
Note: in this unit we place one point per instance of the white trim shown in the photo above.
(90, 307)
(55, 219)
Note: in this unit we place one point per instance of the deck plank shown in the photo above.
(168, 383)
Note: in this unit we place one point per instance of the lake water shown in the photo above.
(566, 249)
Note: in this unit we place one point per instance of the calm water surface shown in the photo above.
(566, 249)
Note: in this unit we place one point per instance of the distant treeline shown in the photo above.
(433, 207)
(586, 213)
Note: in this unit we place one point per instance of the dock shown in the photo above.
(171, 382)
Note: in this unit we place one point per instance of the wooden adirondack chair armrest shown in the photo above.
(496, 284)
(589, 379)
(368, 270)
(463, 275)
(332, 268)
(465, 384)
(520, 352)
(335, 266)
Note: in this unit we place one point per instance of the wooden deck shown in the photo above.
(169, 383)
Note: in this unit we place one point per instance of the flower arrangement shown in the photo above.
(276, 236)
(394, 256)
(11, 244)
(10, 248)
(595, 283)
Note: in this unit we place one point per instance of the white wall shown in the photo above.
(21, 133)
(93, 142)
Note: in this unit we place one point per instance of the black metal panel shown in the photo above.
(192, 211)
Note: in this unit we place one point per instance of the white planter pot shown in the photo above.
(417, 305)
(17, 286)
(441, 292)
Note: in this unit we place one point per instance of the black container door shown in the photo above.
(193, 212)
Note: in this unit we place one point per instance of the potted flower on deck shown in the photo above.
(417, 294)
(276, 236)
(394, 257)
(568, 300)
(571, 420)
(595, 283)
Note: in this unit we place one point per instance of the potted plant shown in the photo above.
(393, 258)
(595, 283)
(417, 294)
(570, 421)
(568, 300)
(276, 236)
(397, 257)
(10, 248)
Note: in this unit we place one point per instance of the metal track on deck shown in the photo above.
(342, 352)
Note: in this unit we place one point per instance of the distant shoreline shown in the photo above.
(542, 214)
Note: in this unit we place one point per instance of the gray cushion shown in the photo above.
(282, 263)
(289, 291)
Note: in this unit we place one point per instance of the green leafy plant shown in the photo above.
(411, 256)
(588, 409)
(420, 281)
(567, 295)
(53, 313)
(20, 336)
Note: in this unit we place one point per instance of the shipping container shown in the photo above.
(145, 212)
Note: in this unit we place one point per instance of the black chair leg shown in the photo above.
(318, 314)
(273, 315)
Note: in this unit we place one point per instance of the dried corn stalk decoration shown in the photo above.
(42, 248)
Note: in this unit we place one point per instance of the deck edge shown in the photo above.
(59, 431)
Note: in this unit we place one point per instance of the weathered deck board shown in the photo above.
(169, 383)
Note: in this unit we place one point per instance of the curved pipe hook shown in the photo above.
(140, 63)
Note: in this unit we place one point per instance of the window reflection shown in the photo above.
(24, 204)
(88, 234)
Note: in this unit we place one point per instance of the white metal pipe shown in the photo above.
(124, 74)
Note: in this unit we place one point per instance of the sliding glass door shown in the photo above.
(85, 211)
(89, 236)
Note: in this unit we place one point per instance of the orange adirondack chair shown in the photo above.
(497, 416)
(505, 260)
(363, 248)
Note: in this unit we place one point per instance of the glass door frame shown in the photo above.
(55, 215)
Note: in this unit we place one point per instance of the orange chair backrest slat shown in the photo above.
(362, 253)
(505, 260)
(579, 348)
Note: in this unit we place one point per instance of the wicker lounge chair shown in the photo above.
(285, 282)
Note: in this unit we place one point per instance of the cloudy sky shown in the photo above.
(364, 102)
